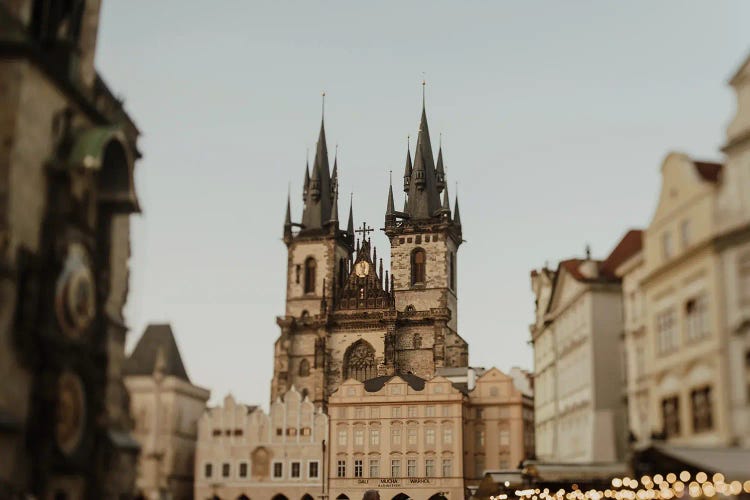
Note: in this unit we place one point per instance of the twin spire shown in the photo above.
(424, 181)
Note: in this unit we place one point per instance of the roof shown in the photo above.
(142, 360)
(377, 383)
(709, 171)
(629, 245)
(573, 266)
(732, 462)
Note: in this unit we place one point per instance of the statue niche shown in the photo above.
(359, 361)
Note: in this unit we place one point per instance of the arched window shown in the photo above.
(304, 368)
(359, 361)
(418, 261)
(310, 275)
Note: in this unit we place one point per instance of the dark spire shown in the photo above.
(288, 218)
(456, 213)
(319, 200)
(335, 174)
(440, 169)
(350, 224)
(390, 210)
(306, 186)
(407, 168)
(335, 209)
(424, 197)
(446, 203)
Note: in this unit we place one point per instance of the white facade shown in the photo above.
(244, 451)
(579, 416)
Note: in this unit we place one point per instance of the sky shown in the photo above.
(555, 118)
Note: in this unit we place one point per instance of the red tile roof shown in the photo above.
(709, 171)
(629, 245)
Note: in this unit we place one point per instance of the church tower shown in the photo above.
(318, 260)
(424, 240)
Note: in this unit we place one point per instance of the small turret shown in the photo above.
(315, 185)
(407, 168)
(350, 224)
(306, 186)
(390, 211)
(288, 220)
(440, 171)
(456, 213)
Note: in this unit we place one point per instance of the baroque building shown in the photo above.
(399, 434)
(579, 411)
(166, 407)
(348, 318)
(66, 192)
(244, 453)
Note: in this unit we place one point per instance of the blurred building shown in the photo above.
(498, 424)
(579, 409)
(166, 407)
(398, 434)
(66, 191)
(245, 453)
(687, 308)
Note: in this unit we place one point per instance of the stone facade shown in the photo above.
(348, 318)
(400, 435)
(166, 407)
(245, 453)
(67, 156)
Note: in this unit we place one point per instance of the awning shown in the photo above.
(733, 462)
(574, 472)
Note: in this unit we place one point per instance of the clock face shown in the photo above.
(362, 268)
(75, 295)
(70, 413)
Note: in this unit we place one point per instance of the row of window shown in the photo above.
(696, 321)
(277, 471)
(411, 411)
(701, 410)
(429, 469)
(358, 435)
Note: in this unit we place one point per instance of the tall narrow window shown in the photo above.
(395, 467)
(429, 467)
(418, 261)
(411, 467)
(374, 467)
(447, 467)
(700, 400)
(310, 266)
(670, 413)
(341, 468)
(666, 332)
(696, 317)
(358, 468)
(304, 368)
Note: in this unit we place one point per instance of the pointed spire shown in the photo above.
(335, 210)
(306, 186)
(335, 174)
(380, 273)
(446, 203)
(317, 211)
(315, 185)
(407, 167)
(440, 169)
(424, 198)
(374, 255)
(456, 213)
(288, 218)
(350, 224)
(387, 281)
(390, 209)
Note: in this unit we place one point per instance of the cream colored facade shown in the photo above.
(688, 340)
(498, 424)
(578, 409)
(244, 451)
(400, 435)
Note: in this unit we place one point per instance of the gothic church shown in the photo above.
(347, 318)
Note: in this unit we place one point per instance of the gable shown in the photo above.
(565, 288)
(682, 181)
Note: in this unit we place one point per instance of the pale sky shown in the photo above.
(555, 119)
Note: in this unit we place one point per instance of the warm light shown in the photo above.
(671, 478)
(679, 486)
(694, 490)
(645, 480)
(735, 488)
(658, 479)
(668, 493)
(701, 477)
(746, 486)
(617, 482)
(684, 476)
(709, 490)
(718, 477)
